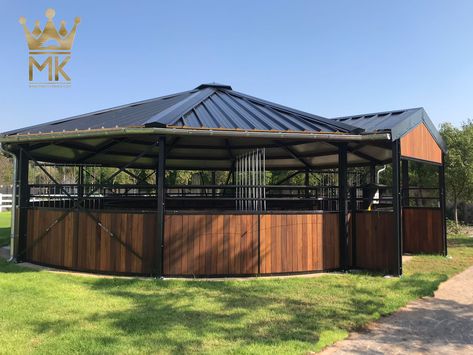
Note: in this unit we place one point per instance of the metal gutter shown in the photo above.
(115, 132)
(13, 204)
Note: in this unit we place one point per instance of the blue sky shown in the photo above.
(329, 58)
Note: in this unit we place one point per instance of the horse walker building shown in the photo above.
(244, 226)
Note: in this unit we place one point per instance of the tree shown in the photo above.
(458, 163)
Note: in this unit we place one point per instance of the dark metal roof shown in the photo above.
(398, 123)
(209, 106)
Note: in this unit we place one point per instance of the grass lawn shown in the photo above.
(4, 228)
(50, 313)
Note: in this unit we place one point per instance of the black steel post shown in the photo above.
(396, 192)
(23, 200)
(80, 188)
(442, 203)
(79, 204)
(353, 225)
(214, 182)
(405, 182)
(342, 204)
(160, 204)
(372, 173)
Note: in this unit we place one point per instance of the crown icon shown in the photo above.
(49, 38)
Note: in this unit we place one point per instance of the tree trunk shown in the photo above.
(455, 208)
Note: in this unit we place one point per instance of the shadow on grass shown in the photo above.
(13, 268)
(461, 242)
(4, 236)
(186, 315)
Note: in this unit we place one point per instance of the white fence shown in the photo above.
(5, 202)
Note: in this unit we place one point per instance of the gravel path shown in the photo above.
(442, 324)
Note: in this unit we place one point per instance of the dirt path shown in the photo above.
(442, 324)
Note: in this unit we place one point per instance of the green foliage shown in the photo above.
(458, 163)
(4, 228)
(459, 160)
(452, 227)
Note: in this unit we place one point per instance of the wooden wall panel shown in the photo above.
(422, 230)
(40, 245)
(210, 245)
(375, 242)
(299, 243)
(420, 144)
(90, 247)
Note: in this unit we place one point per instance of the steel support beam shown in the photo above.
(442, 203)
(213, 182)
(23, 199)
(353, 226)
(373, 174)
(359, 154)
(293, 154)
(342, 205)
(396, 192)
(405, 182)
(161, 168)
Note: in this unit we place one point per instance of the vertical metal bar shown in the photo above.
(238, 182)
(264, 179)
(245, 182)
(342, 204)
(405, 183)
(442, 203)
(253, 181)
(235, 182)
(257, 182)
(23, 199)
(160, 204)
(396, 192)
(250, 187)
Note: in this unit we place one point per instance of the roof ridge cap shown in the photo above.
(176, 111)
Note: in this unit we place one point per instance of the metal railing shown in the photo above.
(225, 197)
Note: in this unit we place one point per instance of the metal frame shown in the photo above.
(442, 204)
(405, 182)
(396, 193)
(342, 205)
(161, 168)
(248, 192)
(23, 198)
(77, 204)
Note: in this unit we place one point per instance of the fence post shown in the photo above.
(396, 196)
(1, 202)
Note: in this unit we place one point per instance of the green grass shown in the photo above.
(51, 313)
(4, 228)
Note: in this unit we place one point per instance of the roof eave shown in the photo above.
(115, 132)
